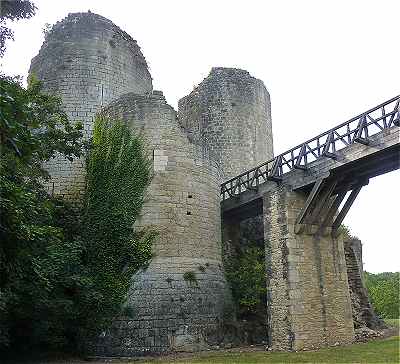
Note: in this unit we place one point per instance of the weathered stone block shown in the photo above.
(309, 302)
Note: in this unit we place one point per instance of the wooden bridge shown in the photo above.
(304, 195)
(339, 160)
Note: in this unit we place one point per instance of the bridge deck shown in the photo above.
(361, 148)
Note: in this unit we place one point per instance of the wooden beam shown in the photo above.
(322, 200)
(362, 126)
(329, 155)
(302, 153)
(346, 207)
(274, 176)
(325, 150)
(362, 140)
(334, 207)
(318, 185)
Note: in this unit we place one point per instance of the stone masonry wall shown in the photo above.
(309, 302)
(363, 313)
(178, 301)
(88, 61)
(229, 113)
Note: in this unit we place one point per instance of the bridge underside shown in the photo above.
(309, 303)
(356, 163)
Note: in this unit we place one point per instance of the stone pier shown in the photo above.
(309, 301)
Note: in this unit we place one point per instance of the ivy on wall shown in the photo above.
(118, 173)
(245, 273)
(64, 270)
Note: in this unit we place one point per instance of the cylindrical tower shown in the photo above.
(88, 61)
(178, 302)
(229, 113)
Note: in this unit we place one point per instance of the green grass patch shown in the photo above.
(393, 322)
(379, 351)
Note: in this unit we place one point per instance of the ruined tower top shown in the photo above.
(91, 47)
(88, 61)
(229, 112)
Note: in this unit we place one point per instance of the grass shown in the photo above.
(393, 322)
(378, 351)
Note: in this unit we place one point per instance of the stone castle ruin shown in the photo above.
(222, 128)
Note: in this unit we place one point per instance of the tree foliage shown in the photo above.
(383, 289)
(13, 10)
(31, 227)
(246, 276)
(64, 270)
(33, 128)
(347, 233)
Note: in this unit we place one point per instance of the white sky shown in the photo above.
(322, 62)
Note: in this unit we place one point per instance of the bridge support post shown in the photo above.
(230, 236)
(309, 303)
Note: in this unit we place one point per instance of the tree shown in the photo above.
(13, 10)
(33, 128)
(64, 271)
(383, 289)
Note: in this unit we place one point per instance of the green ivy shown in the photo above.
(65, 271)
(190, 276)
(246, 274)
(118, 174)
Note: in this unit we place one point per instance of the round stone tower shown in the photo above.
(88, 61)
(229, 113)
(178, 302)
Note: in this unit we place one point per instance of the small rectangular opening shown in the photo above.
(188, 213)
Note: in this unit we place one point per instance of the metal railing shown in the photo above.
(355, 130)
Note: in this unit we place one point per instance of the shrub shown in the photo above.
(247, 278)
(190, 276)
(383, 289)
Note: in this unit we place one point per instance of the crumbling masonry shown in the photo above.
(222, 128)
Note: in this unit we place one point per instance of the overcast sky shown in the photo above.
(322, 62)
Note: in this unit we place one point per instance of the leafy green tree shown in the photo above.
(33, 128)
(13, 10)
(65, 271)
(246, 276)
(384, 292)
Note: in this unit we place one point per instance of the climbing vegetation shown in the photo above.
(64, 269)
(245, 273)
(190, 276)
(118, 173)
